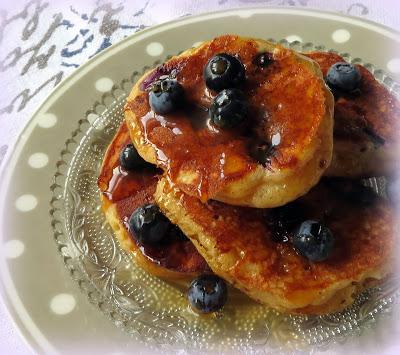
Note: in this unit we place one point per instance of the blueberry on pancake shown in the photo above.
(220, 100)
(366, 120)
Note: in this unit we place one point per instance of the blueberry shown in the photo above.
(343, 76)
(176, 234)
(223, 71)
(148, 225)
(262, 152)
(229, 108)
(283, 220)
(263, 60)
(207, 293)
(130, 159)
(165, 96)
(313, 240)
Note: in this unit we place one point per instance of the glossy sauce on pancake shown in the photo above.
(371, 111)
(126, 191)
(240, 245)
(360, 221)
(369, 118)
(287, 104)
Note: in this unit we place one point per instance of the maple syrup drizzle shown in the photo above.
(178, 253)
(124, 183)
(190, 148)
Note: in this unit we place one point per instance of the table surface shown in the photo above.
(43, 42)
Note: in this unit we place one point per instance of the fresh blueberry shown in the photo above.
(176, 234)
(207, 293)
(223, 71)
(229, 108)
(283, 220)
(165, 96)
(148, 225)
(130, 159)
(262, 152)
(343, 76)
(313, 240)
(263, 60)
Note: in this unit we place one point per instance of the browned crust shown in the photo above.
(328, 290)
(117, 211)
(126, 242)
(273, 273)
(366, 128)
(305, 127)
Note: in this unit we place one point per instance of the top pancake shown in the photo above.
(291, 109)
(366, 126)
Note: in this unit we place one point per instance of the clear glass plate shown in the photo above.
(153, 310)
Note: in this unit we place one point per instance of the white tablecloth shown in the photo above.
(43, 42)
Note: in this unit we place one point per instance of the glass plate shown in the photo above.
(153, 310)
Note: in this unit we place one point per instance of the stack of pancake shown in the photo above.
(237, 211)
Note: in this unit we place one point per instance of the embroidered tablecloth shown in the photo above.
(42, 42)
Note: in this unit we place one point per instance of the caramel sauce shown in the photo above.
(176, 255)
(286, 99)
(124, 184)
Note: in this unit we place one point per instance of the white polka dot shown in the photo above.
(341, 36)
(99, 125)
(154, 49)
(26, 203)
(196, 44)
(104, 84)
(394, 65)
(47, 120)
(91, 117)
(293, 38)
(245, 14)
(63, 303)
(38, 160)
(13, 249)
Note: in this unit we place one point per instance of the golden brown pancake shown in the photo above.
(121, 193)
(290, 107)
(254, 236)
(366, 126)
(244, 245)
(240, 245)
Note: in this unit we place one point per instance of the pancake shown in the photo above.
(245, 246)
(121, 193)
(290, 111)
(179, 260)
(366, 126)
